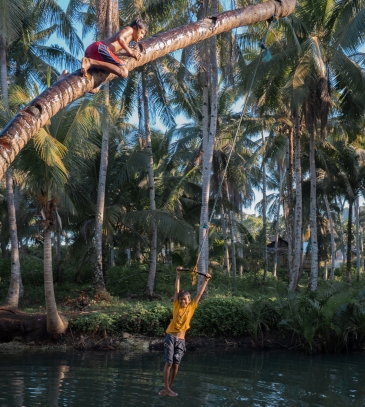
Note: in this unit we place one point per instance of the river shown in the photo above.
(206, 378)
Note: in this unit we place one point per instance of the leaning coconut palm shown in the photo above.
(44, 160)
(36, 114)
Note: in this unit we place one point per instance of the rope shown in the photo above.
(265, 50)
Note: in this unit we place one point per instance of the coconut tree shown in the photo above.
(74, 86)
(44, 160)
(350, 178)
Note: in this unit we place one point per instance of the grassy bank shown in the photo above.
(331, 319)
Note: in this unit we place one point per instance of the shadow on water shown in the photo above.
(216, 378)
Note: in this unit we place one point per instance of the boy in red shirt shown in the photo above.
(100, 54)
(183, 311)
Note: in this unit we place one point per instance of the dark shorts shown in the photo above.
(100, 52)
(174, 349)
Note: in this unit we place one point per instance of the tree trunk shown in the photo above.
(290, 211)
(208, 148)
(349, 240)
(225, 244)
(55, 323)
(151, 185)
(3, 76)
(313, 215)
(105, 25)
(233, 247)
(358, 253)
(342, 237)
(100, 203)
(15, 285)
(27, 122)
(294, 273)
(332, 232)
(277, 220)
(12, 299)
(264, 204)
(59, 274)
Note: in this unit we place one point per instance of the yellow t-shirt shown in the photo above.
(181, 317)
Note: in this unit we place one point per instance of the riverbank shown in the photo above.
(243, 313)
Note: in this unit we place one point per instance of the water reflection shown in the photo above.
(224, 379)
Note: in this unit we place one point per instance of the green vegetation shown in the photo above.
(331, 319)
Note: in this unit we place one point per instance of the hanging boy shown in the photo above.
(174, 345)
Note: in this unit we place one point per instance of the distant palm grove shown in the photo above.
(160, 169)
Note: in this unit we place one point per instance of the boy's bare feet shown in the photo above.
(167, 392)
(63, 74)
(85, 65)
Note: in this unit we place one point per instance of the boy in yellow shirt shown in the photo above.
(183, 311)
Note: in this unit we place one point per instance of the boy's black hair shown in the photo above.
(139, 23)
(184, 293)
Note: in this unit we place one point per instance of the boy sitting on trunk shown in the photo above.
(100, 54)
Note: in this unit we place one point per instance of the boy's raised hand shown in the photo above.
(207, 277)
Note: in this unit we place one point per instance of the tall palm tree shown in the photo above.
(74, 86)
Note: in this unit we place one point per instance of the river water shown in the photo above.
(209, 378)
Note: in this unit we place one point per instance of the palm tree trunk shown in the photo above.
(151, 185)
(349, 241)
(290, 212)
(358, 255)
(313, 215)
(100, 203)
(264, 205)
(208, 148)
(27, 122)
(225, 244)
(3, 75)
(15, 285)
(277, 220)
(105, 23)
(233, 247)
(332, 232)
(294, 272)
(12, 299)
(55, 323)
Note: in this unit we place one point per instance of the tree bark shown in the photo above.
(207, 156)
(233, 247)
(313, 215)
(28, 121)
(277, 220)
(358, 253)
(3, 75)
(290, 211)
(264, 205)
(294, 273)
(225, 244)
(55, 323)
(151, 185)
(105, 23)
(12, 299)
(332, 232)
(349, 240)
(100, 203)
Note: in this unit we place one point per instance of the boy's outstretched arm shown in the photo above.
(177, 282)
(207, 277)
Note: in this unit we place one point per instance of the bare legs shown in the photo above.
(169, 374)
(87, 63)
